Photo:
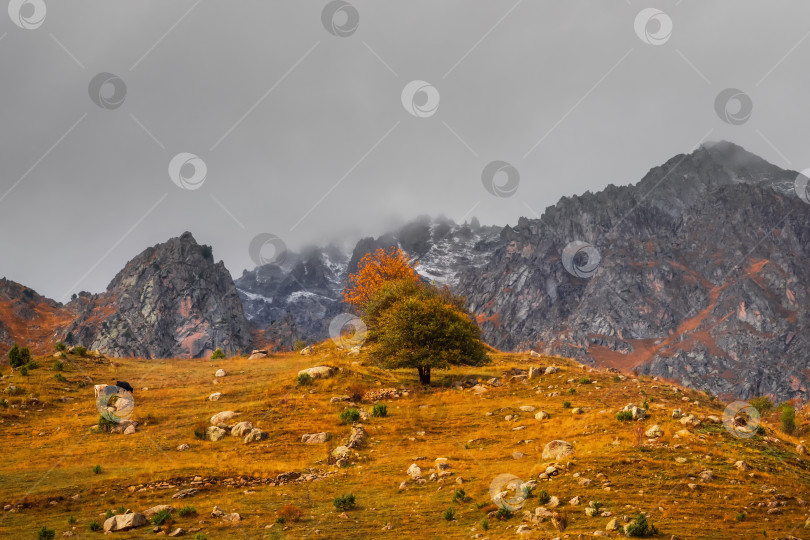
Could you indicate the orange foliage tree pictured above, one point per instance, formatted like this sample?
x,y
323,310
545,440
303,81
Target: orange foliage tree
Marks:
x,y
375,270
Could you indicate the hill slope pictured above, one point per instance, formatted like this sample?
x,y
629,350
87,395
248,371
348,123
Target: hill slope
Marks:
x,y
47,474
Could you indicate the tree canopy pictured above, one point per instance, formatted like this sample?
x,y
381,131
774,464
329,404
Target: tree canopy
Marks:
x,y
375,270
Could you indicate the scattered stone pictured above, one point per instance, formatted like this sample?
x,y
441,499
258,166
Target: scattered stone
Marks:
x,y
478,389
315,438
742,465
220,373
156,509
319,372
255,435
306,351
185,493
241,429
676,413
654,432
177,532
183,447
801,450
706,475
359,436
258,354
124,522
528,408
129,430
577,410
557,449
341,452
612,525
215,396
575,501
542,415
550,370
414,471
217,512
214,433
233,517
221,419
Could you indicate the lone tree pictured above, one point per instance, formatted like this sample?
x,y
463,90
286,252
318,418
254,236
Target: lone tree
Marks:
x,y
422,327
375,270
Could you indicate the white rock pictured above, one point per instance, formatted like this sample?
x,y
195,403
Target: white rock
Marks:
x,y
222,418
220,373
215,396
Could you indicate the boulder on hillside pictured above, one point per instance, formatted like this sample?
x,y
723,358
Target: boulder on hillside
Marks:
x,y
124,522
306,351
358,437
654,432
220,373
558,449
214,433
241,429
319,372
258,354
215,396
156,509
222,418
315,438
255,435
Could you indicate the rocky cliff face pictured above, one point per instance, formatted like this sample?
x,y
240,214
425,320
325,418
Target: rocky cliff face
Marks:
x,y
172,300
28,318
702,277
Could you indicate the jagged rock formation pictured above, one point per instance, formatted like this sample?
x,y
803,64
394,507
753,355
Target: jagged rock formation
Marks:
x,y
703,277
172,300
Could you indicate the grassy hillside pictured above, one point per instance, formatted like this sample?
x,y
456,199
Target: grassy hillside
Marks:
x,y
49,453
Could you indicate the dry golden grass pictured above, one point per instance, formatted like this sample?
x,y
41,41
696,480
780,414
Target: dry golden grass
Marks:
x,y
49,454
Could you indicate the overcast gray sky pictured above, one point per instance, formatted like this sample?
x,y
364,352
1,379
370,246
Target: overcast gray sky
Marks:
x,y
305,133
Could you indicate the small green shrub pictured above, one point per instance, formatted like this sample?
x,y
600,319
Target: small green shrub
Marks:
x,y
218,354
94,526
449,514
344,502
4,403
105,424
460,496
79,350
646,404
380,410
121,510
304,379
60,378
162,517
60,346
24,371
585,380
72,520
97,469
566,404
58,366
543,497
46,534
761,430
201,536
281,520
740,516
640,527
572,390
788,418
503,513
350,416
616,378
485,524
624,416
109,514
186,511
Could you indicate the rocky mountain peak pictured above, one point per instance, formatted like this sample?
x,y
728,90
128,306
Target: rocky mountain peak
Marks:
x,y
170,300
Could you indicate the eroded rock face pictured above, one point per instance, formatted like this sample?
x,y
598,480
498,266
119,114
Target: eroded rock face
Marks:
x,y
172,300
714,233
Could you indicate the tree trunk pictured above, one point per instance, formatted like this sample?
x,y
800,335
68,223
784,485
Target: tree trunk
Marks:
x,y
424,375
